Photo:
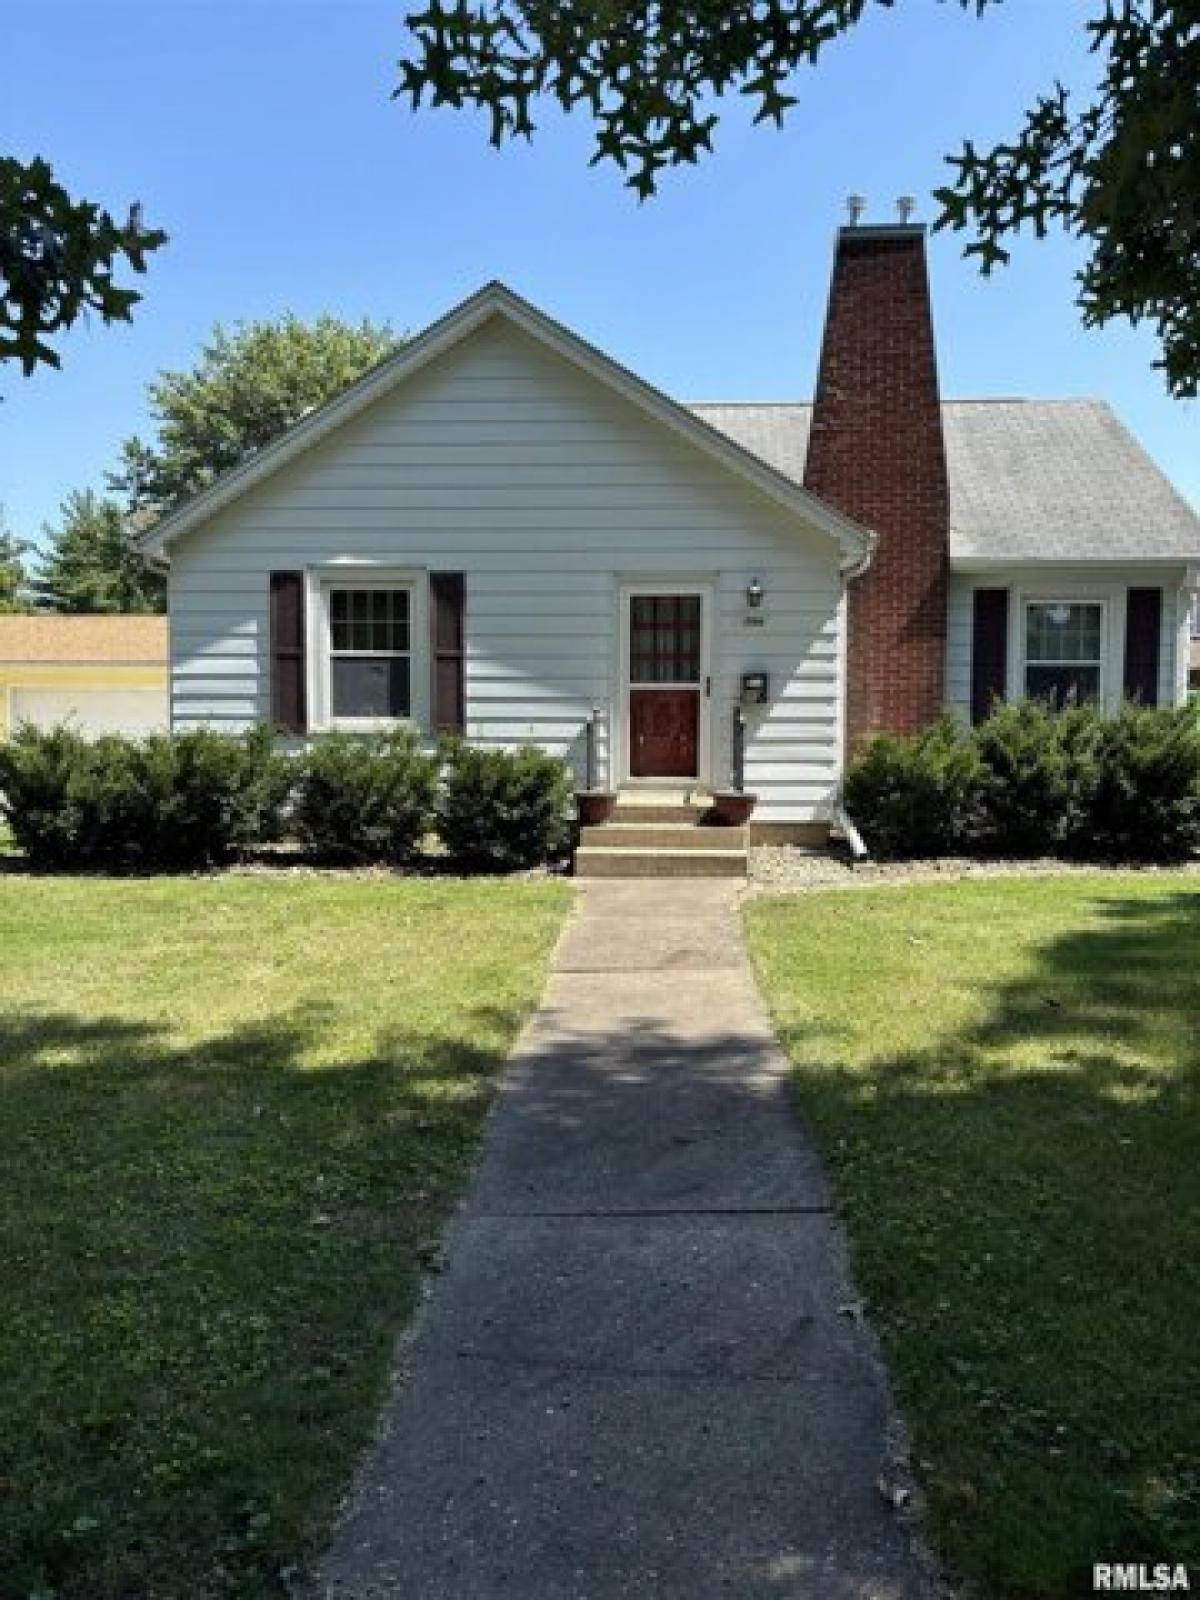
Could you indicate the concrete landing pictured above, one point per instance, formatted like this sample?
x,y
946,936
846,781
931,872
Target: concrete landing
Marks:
x,y
633,1378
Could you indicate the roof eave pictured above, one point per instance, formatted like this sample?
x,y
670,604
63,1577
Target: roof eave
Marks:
x,y
1004,563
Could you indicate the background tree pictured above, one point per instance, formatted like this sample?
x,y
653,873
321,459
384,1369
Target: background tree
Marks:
x,y
58,260
248,386
13,574
1118,167
90,565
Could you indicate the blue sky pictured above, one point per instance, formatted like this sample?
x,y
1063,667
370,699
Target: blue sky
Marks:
x,y
262,136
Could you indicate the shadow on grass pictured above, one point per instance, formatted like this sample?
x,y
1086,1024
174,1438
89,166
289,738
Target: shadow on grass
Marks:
x,y
1024,1201
206,1251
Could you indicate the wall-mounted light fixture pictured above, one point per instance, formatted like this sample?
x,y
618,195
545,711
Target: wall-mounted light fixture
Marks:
x,y
754,594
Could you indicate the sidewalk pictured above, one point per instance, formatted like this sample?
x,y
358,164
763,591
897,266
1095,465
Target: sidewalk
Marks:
x,y
633,1378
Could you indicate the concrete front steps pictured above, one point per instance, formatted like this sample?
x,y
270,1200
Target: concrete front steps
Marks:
x,y
661,838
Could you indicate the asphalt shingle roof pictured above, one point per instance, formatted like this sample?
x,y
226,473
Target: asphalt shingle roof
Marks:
x,y
1030,480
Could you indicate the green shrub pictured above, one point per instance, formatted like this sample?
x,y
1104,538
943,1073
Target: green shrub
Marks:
x,y
365,798
917,796
1143,796
500,811
1027,781
45,780
212,796
171,802
1030,781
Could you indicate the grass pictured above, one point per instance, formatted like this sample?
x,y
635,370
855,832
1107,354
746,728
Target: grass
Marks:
x,y
1005,1080
234,1111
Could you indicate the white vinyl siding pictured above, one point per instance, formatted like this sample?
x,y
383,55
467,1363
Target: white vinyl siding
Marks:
x,y
549,492
1074,583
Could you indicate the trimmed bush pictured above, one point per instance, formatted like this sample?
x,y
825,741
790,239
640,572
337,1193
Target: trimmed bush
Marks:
x,y
501,811
917,796
1026,794
168,803
1143,799
1031,782
365,798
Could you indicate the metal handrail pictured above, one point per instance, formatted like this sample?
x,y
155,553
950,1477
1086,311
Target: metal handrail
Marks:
x,y
597,720
738,766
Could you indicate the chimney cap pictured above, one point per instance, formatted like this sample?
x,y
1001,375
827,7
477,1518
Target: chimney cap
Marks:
x,y
906,204
866,231
856,205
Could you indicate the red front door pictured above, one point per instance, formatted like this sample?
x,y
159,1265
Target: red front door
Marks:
x,y
664,726
664,685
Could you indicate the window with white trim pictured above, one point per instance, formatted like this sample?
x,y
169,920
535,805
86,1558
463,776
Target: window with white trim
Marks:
x,y
1064,651
370,653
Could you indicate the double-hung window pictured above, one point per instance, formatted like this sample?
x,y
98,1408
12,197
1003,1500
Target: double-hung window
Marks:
x,y
370,653
1064,651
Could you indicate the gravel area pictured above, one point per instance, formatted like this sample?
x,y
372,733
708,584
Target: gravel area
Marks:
x,y
789,870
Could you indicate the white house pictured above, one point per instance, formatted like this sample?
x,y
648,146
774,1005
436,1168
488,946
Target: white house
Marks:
x,y
502,530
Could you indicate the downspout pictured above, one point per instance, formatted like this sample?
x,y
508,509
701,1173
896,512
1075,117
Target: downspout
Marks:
x,y
840,817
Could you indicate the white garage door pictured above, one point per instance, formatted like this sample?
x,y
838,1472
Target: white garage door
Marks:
x,y
93,711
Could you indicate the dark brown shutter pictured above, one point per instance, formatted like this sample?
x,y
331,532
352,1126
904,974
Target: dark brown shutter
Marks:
x,y
1143,630
448,642
989,651
289,699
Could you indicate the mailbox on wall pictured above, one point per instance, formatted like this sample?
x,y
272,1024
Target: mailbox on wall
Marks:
x,y
755,686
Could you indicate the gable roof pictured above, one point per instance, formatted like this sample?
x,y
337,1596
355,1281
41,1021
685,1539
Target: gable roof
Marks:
x,y
1030,480
496,300
119,640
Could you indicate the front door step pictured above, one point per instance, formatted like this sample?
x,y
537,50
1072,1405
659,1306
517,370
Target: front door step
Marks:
x,y
604,861
685,807
670,835
661,835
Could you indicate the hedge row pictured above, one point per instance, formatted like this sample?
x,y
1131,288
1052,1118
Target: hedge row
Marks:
x,y
1033,782
187,801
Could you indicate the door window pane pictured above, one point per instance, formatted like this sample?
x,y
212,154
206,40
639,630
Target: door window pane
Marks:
x,y
664,638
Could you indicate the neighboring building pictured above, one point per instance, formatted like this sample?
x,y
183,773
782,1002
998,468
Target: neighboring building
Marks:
x,y
502,531
104,674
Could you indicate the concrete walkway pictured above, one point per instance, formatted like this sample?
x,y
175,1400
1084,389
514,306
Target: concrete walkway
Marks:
x,y
633,1378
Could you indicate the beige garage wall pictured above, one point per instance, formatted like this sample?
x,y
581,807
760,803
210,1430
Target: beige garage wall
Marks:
x,y
101,699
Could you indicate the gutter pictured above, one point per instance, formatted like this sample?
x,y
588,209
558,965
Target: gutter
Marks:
x,y
839,816
855,569
844,823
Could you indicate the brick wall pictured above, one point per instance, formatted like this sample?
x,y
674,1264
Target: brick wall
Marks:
x,y
876,453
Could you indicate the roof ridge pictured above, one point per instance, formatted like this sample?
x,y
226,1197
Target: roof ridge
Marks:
x,y
947,400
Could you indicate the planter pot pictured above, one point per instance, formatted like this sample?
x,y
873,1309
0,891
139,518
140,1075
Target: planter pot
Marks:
x,y
596,806
732,809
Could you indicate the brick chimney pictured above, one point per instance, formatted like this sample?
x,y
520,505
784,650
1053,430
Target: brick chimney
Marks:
x,y
876,453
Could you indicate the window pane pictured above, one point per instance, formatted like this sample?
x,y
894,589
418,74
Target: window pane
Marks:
x,y
370,686
1058,632
1063,685
369,619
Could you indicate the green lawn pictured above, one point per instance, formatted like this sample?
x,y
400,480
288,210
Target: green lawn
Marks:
x,y
1005,1079
234,1112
